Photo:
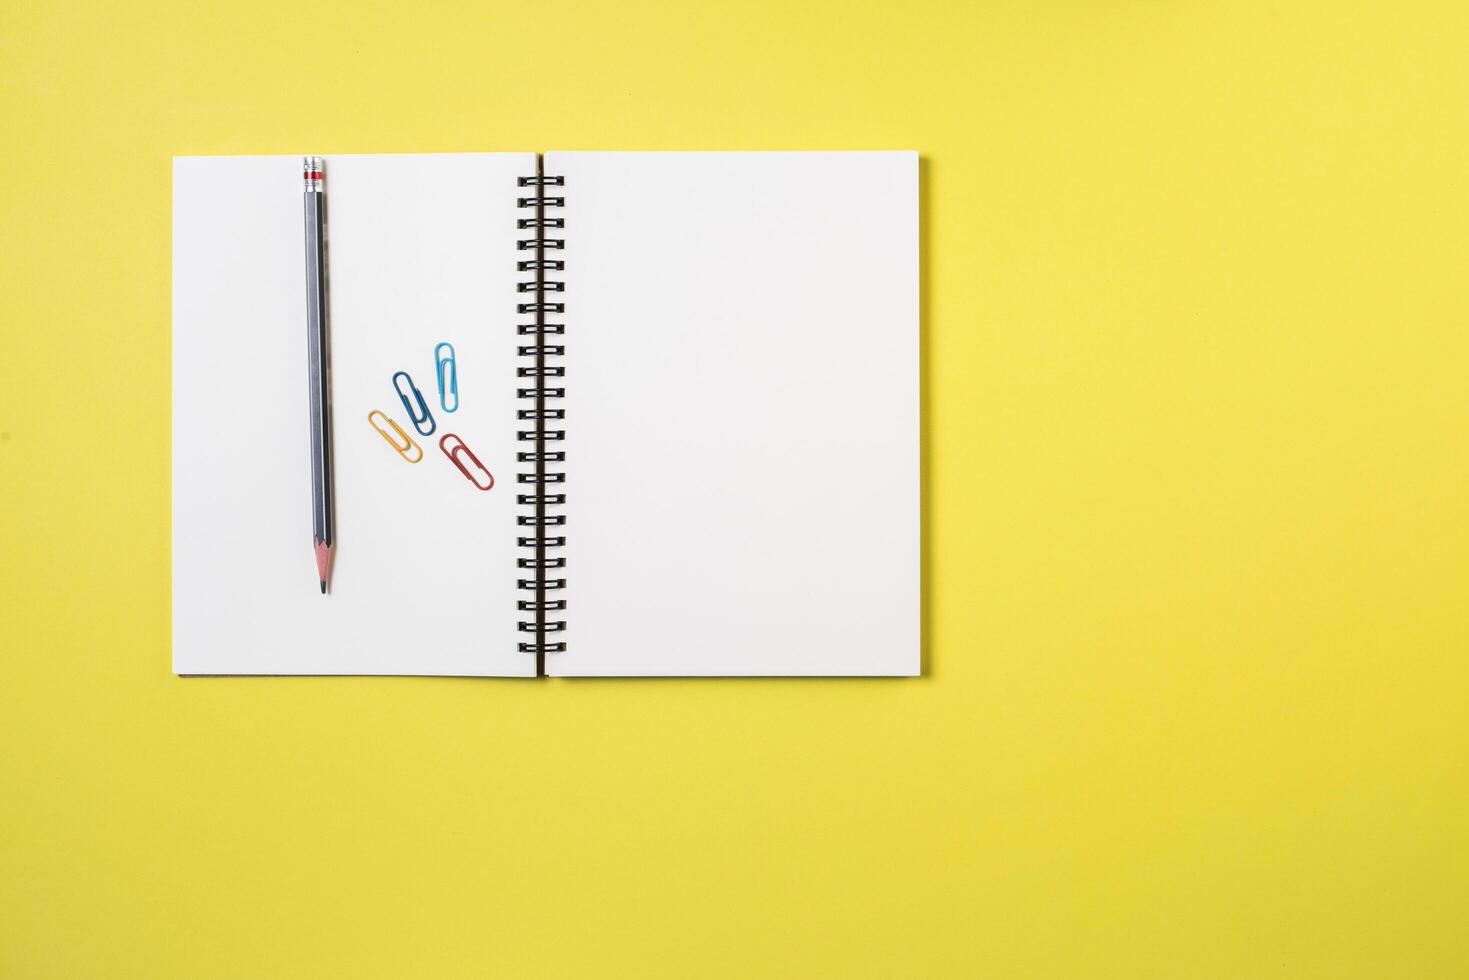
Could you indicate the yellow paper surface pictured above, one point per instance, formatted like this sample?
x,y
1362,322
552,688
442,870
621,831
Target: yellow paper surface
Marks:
x,y
1195,499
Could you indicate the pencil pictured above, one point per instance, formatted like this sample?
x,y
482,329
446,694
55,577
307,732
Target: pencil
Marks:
x,y
319,374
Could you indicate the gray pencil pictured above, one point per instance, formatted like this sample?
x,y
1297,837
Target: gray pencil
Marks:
x,y
320,368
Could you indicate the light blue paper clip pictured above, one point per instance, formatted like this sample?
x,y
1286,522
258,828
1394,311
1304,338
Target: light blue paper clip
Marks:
x,y
451,387
419,417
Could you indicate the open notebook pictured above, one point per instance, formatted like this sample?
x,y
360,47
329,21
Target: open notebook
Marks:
x,y
691,377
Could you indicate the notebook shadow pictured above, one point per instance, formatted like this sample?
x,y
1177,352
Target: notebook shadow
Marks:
x,y
926,666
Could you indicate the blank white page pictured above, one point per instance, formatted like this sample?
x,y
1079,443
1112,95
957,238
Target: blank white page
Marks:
x,y
421,250
742,413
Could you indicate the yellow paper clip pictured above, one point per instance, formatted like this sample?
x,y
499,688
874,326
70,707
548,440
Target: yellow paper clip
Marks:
x,y
403,448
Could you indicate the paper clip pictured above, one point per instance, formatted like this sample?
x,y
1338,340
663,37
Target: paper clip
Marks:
x,y
421,417
462,450
451,386
401,448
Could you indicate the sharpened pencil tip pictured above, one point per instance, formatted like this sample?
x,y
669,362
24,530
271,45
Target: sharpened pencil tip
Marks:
x,y
323,562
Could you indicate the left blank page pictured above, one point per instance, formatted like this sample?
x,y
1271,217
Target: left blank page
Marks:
x,y
421,249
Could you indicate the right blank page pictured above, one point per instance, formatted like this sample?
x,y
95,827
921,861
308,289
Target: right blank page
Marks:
x,y
742,413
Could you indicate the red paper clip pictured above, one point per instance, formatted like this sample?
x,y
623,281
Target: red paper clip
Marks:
x,y
455,456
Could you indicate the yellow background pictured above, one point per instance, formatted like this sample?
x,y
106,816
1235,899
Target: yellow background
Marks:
x,y
1195,519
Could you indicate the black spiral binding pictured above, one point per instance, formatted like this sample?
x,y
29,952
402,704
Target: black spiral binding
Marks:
x,y
536,369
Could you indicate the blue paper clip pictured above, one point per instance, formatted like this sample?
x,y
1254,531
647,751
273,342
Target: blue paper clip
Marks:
x,y
421,417
452,385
